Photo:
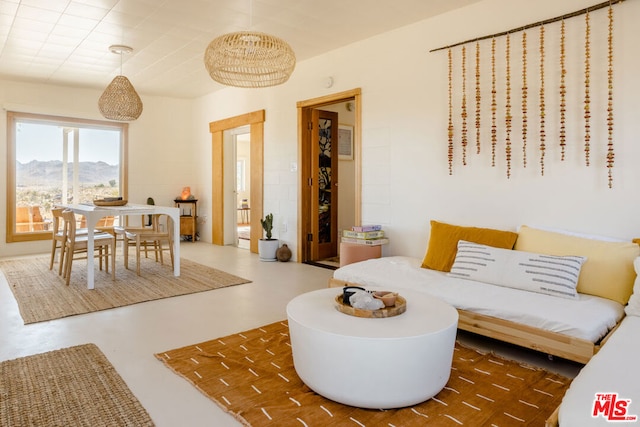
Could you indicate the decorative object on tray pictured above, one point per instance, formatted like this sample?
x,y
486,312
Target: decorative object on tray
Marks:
x,y
348,291
388,298
110,201
364,300
357,301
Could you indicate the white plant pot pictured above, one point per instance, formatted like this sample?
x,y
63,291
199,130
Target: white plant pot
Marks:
x,y
267,249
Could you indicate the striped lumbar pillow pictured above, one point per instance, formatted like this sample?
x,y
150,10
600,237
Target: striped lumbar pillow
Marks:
x,y
545,274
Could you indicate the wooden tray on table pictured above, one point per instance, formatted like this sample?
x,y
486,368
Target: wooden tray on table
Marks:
x,y
399,308
102,202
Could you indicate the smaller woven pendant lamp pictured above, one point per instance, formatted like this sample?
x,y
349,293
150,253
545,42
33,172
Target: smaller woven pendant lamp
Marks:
x,y
120,101
249,59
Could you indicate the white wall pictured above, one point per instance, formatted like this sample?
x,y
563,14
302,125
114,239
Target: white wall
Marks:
x,y
405,174
404,92
161,155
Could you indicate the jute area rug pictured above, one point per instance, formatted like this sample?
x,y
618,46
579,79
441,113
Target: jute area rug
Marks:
x,y
42,294
251,376
75,386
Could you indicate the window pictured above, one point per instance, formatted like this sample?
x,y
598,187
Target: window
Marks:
x,y
59,160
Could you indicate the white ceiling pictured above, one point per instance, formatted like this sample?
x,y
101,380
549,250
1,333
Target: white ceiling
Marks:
x,y
67,41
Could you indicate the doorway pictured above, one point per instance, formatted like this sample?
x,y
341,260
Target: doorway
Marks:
x,y
224,209
310,207
237,187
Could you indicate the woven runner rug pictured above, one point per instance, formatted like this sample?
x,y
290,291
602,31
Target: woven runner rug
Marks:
x,y
75,386
251,376
42,294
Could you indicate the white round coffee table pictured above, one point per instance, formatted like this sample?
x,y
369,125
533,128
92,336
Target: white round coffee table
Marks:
x,y
377,363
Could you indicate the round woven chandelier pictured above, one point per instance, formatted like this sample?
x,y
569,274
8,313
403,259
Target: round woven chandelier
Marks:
x,y
249,59
120,101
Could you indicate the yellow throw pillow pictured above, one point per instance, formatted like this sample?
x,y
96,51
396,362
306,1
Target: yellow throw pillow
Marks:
x,y
608,271
443,242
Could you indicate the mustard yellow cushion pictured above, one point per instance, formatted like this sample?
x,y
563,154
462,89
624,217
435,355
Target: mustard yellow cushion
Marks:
x,y
443,242
608,271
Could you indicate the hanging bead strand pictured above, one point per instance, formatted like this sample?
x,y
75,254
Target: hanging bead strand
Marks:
x,y
450,128
542,106
525,93
587,96
463,113
610,151
507,107
563,94
494,130
478,98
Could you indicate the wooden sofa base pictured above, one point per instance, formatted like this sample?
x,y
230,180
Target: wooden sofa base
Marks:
x,y
552,343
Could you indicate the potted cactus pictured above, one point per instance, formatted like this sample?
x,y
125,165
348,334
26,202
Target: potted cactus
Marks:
x,y
267,247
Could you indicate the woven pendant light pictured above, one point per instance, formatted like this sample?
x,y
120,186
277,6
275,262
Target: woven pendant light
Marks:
x,y
249,59
120,101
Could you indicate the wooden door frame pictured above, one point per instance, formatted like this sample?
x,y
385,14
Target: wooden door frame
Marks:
x,y
255,120
304,114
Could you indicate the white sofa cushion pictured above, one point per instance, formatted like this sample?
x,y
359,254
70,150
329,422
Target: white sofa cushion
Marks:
x,y
614,369
588,317
545,274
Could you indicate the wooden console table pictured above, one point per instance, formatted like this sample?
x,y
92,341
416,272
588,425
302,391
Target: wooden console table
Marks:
x,y
188,217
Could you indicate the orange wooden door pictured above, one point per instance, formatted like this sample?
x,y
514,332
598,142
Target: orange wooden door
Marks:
x,y
324,185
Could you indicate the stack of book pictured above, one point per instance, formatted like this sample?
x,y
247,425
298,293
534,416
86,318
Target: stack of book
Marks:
x,y
371,235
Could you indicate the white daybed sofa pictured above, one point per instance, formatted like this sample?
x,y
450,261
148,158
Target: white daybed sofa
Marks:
x,y
568,328
531,320
614,370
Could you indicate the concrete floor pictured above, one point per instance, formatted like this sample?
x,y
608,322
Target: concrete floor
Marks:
x,y
130,336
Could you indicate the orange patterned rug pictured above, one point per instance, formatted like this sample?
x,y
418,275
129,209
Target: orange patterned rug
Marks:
x,y
251,376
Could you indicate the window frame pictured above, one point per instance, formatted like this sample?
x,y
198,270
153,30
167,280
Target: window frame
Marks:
x,y
13,117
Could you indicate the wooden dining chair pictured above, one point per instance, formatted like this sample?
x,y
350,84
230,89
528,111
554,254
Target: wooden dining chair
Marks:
x,y
75,244
144,226
104,224
144,238
58,238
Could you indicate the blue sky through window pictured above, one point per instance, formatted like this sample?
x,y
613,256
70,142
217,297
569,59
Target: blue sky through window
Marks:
x,y
43,142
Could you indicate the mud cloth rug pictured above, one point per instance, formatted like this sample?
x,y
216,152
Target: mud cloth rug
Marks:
x,y
75,386
42,294
251,376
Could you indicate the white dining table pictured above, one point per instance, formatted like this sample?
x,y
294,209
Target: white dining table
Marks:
x,y
93,213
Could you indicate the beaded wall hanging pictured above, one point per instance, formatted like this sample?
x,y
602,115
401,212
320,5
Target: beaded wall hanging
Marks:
x,y
555,93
